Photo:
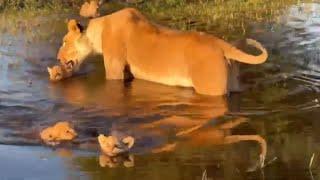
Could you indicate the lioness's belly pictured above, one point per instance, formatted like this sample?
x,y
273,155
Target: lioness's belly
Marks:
x,y
172,80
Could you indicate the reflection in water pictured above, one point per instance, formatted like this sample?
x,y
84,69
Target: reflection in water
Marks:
x,y
125,160
193,123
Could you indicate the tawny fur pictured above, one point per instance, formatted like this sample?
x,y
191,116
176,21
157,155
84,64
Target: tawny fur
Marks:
x,y
90,9
156,53
61,131
58,72
113,146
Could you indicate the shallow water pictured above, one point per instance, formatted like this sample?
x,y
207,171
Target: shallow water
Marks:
x,y
281,104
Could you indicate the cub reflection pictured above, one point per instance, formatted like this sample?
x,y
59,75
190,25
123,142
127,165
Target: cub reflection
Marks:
x,y
127,160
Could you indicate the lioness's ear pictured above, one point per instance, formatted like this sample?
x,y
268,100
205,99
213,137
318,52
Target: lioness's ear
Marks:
x,y
74,26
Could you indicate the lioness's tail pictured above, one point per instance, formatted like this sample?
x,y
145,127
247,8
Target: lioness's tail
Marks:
x,y
232,52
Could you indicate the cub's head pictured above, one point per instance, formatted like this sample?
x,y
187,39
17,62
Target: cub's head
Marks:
x,y
58,72
55,73
112,146
90,9
107,144
75,47
61,131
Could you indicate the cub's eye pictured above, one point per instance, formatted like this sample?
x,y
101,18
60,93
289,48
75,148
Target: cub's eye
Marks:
x,y
67,131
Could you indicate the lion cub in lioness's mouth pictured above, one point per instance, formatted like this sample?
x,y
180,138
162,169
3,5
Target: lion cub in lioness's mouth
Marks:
x,y
58,72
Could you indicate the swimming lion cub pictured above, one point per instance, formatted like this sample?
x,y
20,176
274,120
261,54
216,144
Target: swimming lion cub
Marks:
x,y
156,53
61,131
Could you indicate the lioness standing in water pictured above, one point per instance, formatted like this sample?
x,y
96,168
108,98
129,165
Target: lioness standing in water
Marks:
x,y
155,53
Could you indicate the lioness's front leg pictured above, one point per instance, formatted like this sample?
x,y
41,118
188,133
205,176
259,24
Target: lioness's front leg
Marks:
x,y
114,54
114,68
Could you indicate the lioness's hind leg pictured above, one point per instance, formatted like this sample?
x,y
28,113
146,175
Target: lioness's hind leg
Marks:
x,y
114,68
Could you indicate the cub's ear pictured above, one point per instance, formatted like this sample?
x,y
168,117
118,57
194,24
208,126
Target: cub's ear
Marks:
x,y
129,141
49,70
74,26
101,139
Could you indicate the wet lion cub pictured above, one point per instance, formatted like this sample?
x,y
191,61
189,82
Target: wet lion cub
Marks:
x,y
156,53
58,72
90,9
61,131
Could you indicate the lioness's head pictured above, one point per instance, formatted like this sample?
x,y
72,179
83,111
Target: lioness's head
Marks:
x,y
61,131
75,47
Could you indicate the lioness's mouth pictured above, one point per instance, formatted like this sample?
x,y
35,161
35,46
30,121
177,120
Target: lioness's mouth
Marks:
x,y
71,64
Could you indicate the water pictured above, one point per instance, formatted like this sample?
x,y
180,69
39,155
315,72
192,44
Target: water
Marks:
x,y
281,104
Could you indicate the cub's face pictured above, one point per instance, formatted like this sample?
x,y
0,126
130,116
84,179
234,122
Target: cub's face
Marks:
x,y
61,131
75,47
58,72
55,73
108,144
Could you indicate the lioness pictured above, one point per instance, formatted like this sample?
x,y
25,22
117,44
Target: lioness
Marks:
x,y
155,53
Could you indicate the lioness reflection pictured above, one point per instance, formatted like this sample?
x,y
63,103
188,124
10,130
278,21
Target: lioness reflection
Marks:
x,y
190,116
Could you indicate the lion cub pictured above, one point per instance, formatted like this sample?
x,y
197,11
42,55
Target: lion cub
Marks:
x,y
112,146
61,131
90,9
58,72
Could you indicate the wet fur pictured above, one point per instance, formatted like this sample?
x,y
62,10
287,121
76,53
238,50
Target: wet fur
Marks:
x,y
90,9
58,72
61,131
